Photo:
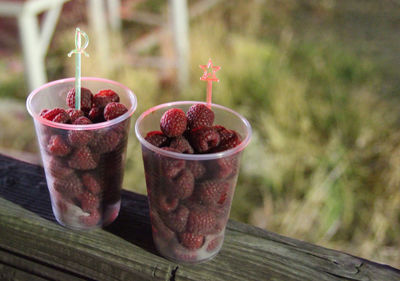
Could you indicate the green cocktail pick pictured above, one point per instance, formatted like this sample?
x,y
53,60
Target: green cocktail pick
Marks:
x,y
79,49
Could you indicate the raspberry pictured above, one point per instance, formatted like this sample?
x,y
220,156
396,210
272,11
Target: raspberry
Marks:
x,y
91,183
171,166
224,133
191,241
83,159
113,110
74,114
92,219
182,254
105,142
214,244
203,139
103,97
221,210
229,140
199,115
182,186
112,173
51,114
86,99
224,167
43,112
62,117
159,228
80,137
200,220
57,146
96,115
173,122
212,192
70,186
156,138
58,169
181,144
167,204
88,201
198,170
177,220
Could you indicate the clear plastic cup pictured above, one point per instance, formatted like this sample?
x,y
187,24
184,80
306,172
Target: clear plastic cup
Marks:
x,y
84,177
190,195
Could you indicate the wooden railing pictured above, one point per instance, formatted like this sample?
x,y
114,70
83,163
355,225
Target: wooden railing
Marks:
x,y
34,247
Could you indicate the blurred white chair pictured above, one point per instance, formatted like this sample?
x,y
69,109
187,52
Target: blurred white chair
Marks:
x,y
35,39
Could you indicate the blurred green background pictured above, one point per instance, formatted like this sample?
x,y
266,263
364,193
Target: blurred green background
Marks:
x,y
318,81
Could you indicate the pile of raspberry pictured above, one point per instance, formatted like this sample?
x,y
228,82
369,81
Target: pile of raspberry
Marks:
x,y
85,165
190,200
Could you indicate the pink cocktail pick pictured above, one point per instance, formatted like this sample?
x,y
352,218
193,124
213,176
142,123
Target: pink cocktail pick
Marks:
x,y
209,76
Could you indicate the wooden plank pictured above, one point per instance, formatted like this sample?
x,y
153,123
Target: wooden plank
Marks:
x,y
30,236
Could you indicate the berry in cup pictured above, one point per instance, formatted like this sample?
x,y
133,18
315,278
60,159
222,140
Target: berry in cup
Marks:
x,y
85,167
190,200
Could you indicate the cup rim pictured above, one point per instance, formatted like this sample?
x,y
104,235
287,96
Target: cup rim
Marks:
x,y
208,156
95,126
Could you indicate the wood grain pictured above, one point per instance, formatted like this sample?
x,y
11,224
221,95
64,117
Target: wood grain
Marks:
x,y
34,247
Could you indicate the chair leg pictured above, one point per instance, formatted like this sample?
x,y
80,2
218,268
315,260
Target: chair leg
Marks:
x,y
33,57
180,26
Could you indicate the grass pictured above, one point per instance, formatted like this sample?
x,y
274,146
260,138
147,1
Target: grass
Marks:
x,y
324,161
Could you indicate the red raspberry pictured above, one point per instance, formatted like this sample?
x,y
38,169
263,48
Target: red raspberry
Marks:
x,y
86,99
43,112
96,115
177,220
103,97
58,168
224,167
221,210
57,146
171,166
181,144
51,114
70,186
224,133
191,241
229,139
182,186
80,137
92,184
88,201
173,122
74,114
199,115
83,159
92,219
159,228
201,220
214,244
105,141
156,138
167,204
62,117
204,139
198,170
113,110
212,192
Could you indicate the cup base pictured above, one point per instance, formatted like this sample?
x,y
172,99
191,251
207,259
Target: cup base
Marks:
x,y
178,254
75,217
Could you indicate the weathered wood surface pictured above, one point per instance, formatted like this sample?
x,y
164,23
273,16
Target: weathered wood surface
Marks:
x,y
34,247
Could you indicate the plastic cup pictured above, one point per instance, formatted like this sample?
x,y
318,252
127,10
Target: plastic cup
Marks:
x,y
84,177
190,195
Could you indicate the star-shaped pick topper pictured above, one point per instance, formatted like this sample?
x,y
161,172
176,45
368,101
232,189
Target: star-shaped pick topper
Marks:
x,y
209,72
209,76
